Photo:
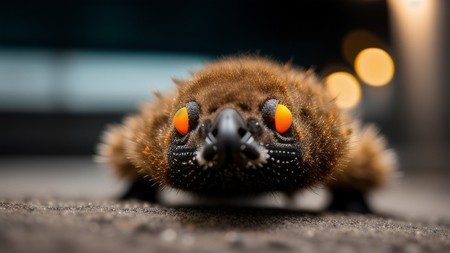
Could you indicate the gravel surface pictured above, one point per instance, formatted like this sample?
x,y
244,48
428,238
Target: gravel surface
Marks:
x,y
61,225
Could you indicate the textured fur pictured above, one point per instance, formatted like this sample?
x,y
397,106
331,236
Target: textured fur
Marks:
x,y
370,163
335,149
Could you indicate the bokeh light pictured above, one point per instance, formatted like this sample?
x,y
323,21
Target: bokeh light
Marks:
x,y
345,88
374,66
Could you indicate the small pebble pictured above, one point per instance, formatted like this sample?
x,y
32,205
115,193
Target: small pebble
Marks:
x,y
309,233
168,235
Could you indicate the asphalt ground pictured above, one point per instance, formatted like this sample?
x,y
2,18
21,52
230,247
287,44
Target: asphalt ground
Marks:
x,y
44,208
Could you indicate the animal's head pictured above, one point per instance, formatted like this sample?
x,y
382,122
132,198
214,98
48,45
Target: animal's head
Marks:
x,y
251,125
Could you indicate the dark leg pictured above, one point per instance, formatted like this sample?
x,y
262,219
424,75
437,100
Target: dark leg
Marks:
x,y
347,200
142,189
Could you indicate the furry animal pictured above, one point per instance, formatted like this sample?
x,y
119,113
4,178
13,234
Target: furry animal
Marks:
x,y
248,125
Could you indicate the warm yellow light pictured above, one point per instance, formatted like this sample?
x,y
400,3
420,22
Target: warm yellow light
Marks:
x,y
374,66
345,88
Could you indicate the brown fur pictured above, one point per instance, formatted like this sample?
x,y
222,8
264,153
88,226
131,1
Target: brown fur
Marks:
x,y
244,83
370,164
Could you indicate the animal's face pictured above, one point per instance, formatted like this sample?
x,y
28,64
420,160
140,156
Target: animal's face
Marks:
x,y
245,125
236,137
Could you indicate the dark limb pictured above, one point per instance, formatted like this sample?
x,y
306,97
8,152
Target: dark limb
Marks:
x,y
348,200
142,189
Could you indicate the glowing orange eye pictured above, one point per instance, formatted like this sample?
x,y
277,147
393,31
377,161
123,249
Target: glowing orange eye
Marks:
x,y
181,121
283,118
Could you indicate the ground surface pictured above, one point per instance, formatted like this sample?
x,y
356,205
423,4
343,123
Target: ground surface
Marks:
x,y
44,208
81,226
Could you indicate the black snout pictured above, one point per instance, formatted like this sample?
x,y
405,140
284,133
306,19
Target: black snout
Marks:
x,y
229,139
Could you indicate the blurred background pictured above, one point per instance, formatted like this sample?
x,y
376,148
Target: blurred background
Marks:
x,y
69,68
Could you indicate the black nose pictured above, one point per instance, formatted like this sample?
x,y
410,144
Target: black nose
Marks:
x,y
229,139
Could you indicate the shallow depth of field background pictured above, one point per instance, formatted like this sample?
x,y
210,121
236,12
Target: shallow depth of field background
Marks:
x,y
69,68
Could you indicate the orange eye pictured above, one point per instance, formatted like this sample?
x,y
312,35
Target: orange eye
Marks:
x,y
283,119
181,121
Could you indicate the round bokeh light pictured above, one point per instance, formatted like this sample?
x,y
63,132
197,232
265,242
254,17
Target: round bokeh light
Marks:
x,y
345,88
374,66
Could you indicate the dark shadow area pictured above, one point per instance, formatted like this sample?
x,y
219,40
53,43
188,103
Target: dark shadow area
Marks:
x,y
227,217
307,31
